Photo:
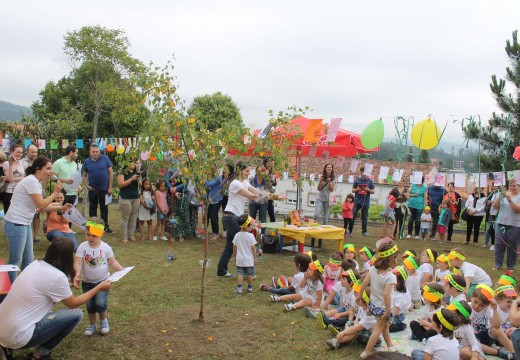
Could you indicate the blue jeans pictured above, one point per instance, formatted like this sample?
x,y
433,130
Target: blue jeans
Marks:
x,y
20,242
515,339
417,354
70,235
261,209
415,216
318,206
281,291
98,303
230,223
54,327
364,215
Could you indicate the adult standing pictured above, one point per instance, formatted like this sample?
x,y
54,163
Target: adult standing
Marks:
x,y
128,183
260,208
214,194
508,226
401,209
3,180
98,177
455,206
31,155
417,198
476,208
65,168
14,173
435,195
26,198
27,319
271,182
362,188
493,212
239,191
326,185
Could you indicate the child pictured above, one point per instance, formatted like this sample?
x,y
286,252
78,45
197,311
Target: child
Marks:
x,y
454,285
401,300
146,207
443,264
428,257
311,289
337,291
381,281
484,315
422,329
301,263
338,317
365,255
244,250
413,282
93,258
473,274
469,347
505,295
426,221
388,213
444,219
349,252
162,210
347,215
332,272
441,346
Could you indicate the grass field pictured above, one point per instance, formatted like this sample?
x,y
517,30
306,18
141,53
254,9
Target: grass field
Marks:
x,y
153,310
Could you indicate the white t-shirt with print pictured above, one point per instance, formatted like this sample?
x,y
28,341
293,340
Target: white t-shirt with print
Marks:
x,y
243,241
413,285
477,275
296,280
504,317
426,221
236,202
460,297
94,266
311,290
440,275
481,320
442,348
378,283
22,208
466,337
18,170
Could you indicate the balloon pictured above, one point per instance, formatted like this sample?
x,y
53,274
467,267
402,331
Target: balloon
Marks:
x,y
516,154
373,134
426,134
144,155
110,148
120,149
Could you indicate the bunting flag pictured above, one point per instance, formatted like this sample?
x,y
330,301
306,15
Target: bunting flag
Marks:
x,y
332,133
54,144
313,131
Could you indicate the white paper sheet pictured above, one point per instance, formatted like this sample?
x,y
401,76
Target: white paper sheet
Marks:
x,y
499,179
398,175
383,172
417,177
353,165
368,169
311,177
76,181
108,199
119,274
440,179
75,217
460,180
8,268
351,179
340,178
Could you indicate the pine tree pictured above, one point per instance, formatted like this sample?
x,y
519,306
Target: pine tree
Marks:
x,y
424,157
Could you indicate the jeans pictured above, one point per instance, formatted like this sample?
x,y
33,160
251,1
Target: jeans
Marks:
x,y
53,328
213,216
506,239
490,234
348,225
261,209
473,225
417,354
364,215
434,211
98,303
230,223
58,233
129,209
399,221
415,216
270,210
515,339
281,291
318,206
95,198
20,243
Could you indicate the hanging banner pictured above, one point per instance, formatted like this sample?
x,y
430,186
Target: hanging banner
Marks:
x,y
383,172
460,180
332,133
368,169
313,131
398,174
353,165
340,161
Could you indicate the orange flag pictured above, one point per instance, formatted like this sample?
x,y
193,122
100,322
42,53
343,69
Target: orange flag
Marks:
x,y
313,131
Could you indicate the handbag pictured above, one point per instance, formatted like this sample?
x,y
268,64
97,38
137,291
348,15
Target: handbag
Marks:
x,y
464,216
332,199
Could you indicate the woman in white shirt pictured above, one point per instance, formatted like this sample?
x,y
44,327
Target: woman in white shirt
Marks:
x,y
26,198
476,208
14,172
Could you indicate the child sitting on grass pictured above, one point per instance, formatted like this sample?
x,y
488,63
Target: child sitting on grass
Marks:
x,y
332,272
413,282
349,252
428,257
244,249
473,274
454,285
505,296
366,255
469,347
401,300
301,263
334,295
443,269
422,329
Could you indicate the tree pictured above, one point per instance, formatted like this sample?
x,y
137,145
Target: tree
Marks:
x,y
424,157
212,111
502,134
409,155
98,95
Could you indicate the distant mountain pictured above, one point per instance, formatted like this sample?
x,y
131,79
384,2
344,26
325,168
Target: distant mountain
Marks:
x,y
12,112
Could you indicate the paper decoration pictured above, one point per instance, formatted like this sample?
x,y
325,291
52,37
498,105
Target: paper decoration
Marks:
x,y
510,175
41,144
304,176
460,180
450,178
516,175
295,176
389,179
368,169
6,144
27,143
340,178
312,151
325,154
54,144
64,143
285,175
499,179
332,133
353,165
313,131
277,175
481,180
340,161
79,143
398,174
440,179
431,176
383,172
311,177
417,177
351,179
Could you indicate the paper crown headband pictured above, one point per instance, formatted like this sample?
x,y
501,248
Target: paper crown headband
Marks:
x,y
430,255
95,228
400,270
410,263
443,320
349,273
443,258
453,283
315,265
507,290
407,253
387,253
506,280
349,247
334,264
366,299
368,252
455,255
431,294
487,291
456,305
249,221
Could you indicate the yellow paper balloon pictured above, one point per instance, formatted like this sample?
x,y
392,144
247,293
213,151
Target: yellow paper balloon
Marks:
x,y
426,134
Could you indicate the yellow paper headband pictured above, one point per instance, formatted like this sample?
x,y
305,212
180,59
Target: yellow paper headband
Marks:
x,y
352,276
389,252
443,321
431,294
430,255
455,255
316,265
453,283
368,252
407,253
410,263
508,290
366,299
456,305
401,271
95,228
443,258
249,220
487,291
506,280
349,247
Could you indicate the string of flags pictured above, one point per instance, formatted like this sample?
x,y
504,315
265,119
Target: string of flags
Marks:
x,y
119,145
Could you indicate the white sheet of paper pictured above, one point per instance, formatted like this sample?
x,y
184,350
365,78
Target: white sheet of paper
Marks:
x,y
75,217
499,179
368,169
383,172
449,178
340,161
285,175
311,177
108,199
439,179
417,177
340,178
8,268
351,179
119,274
460,180
483,179
516,175
76,180
353,165
398,175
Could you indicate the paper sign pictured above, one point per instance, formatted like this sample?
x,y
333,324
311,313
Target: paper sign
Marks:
x,y
311,177
483,180
340,178
54,144
439,179
325,154
73,215
353,165
368,169
417,177
516,175
64,143
6,144
108,199
119,274
398,174
510,175
76,181
450,178
389,179
460,180
351,179
499,179
27,143
285,175
79,143
41,144
340,161
8,268
383,172
332,133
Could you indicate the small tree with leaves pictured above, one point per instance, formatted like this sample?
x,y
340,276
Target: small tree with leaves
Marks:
x,y
424,157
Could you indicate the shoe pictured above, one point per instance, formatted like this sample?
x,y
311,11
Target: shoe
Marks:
x,y
105,328
496,268
275,298
91,329
309,312
154,238
380,349
364,355
416,238
504,354
238,291
275,283
475,244
249,290
319,321
181,239
492,248
108,231
333,344
408,236
289,307
393,349
124,241
36,240
365,233
227,274
510,270
132,238
333,330
254,277
264,287
164,238
485,245
441,241
6,353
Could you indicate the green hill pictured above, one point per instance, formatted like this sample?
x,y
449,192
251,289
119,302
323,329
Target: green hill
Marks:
x,y
12,112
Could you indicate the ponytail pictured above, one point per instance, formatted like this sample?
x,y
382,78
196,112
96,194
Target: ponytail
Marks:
x,y
37,164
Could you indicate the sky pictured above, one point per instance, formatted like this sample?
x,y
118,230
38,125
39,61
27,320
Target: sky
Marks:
x,y
355,60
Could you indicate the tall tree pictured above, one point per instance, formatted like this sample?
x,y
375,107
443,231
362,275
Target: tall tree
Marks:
x,y
409,155
212,111
424,157
502,134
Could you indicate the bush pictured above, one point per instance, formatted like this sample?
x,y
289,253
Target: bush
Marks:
x,y
374,212
335,209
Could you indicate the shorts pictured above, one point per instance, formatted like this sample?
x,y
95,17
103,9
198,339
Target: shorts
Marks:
x,y
484,338
378,312
390,217
363,335
161,216
245,271
424,231
441,229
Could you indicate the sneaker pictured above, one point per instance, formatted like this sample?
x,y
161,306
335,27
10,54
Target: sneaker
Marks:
x,y
365,233
164,238
485,245
504,354
275,298
393,349
333,330
309,312
492,248
105,328
364,355
6,353
238,291
320,322
289,307
416,237
408,236
264,287
249,290
441,241
380,349
154,238
108,230
333,344
227,274
91,329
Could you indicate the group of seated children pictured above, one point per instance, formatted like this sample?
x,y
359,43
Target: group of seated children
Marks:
x,y
457,311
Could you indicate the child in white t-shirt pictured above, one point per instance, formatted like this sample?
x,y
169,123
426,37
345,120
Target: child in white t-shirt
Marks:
x,y
244,250
413,282
401,300
93,257
443,269
426,222
428,257
505,296
301,263
473,274
454,285
469,347
367,256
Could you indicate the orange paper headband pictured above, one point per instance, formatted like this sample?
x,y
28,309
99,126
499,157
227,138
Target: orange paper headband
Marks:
x,y
508,291
316,266
95,228
443,258
431,294
506,280
357,286
410,263
487,291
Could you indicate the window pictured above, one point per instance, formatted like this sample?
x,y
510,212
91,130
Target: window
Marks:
x,y
292,197
311,199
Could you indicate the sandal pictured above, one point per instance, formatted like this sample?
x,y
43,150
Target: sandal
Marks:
x,y
124,241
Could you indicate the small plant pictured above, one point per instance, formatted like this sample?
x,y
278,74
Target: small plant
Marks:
x,y
335,210
374,212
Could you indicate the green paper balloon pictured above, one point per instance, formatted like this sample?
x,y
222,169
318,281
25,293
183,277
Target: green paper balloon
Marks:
x,y
373,134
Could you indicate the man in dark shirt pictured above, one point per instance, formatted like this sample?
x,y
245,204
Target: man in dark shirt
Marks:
x,y
362,189
435,196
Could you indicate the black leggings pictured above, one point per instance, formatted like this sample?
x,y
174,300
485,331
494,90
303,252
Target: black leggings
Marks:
x,y
420,332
